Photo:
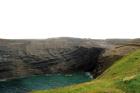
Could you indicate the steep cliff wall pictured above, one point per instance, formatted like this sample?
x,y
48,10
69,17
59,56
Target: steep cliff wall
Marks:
x,y
19,58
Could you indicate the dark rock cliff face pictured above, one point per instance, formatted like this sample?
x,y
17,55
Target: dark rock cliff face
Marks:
x,y
20,58
67,60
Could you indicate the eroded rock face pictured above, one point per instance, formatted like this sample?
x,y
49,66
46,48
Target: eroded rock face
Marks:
x,y
20,58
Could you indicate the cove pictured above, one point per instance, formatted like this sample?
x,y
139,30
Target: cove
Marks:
x,y
49,81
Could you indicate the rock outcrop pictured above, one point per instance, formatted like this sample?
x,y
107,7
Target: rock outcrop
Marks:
x,y
20,58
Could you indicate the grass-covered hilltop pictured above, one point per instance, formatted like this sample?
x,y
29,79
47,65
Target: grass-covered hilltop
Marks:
x,y
122,77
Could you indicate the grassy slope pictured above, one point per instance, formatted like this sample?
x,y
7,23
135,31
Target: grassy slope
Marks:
x,y
122,77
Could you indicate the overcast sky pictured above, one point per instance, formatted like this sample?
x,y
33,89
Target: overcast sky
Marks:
x,y
28,19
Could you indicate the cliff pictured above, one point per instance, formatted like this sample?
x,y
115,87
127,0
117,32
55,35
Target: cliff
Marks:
x,y
20,58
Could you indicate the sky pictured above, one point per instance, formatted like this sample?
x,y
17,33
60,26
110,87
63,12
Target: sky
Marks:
x,y
97,19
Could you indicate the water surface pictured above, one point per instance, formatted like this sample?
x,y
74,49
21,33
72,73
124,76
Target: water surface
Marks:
x,y
24,85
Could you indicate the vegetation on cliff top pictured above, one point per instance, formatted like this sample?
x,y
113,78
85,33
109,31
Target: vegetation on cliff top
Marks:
x,y
122,77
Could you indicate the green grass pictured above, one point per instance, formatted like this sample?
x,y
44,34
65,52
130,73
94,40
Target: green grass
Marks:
x,y
122,77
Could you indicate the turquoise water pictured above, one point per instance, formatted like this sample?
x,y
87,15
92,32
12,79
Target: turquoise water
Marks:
x,y
27,84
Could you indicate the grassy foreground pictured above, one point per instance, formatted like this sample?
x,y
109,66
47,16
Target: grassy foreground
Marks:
x,y
122,77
